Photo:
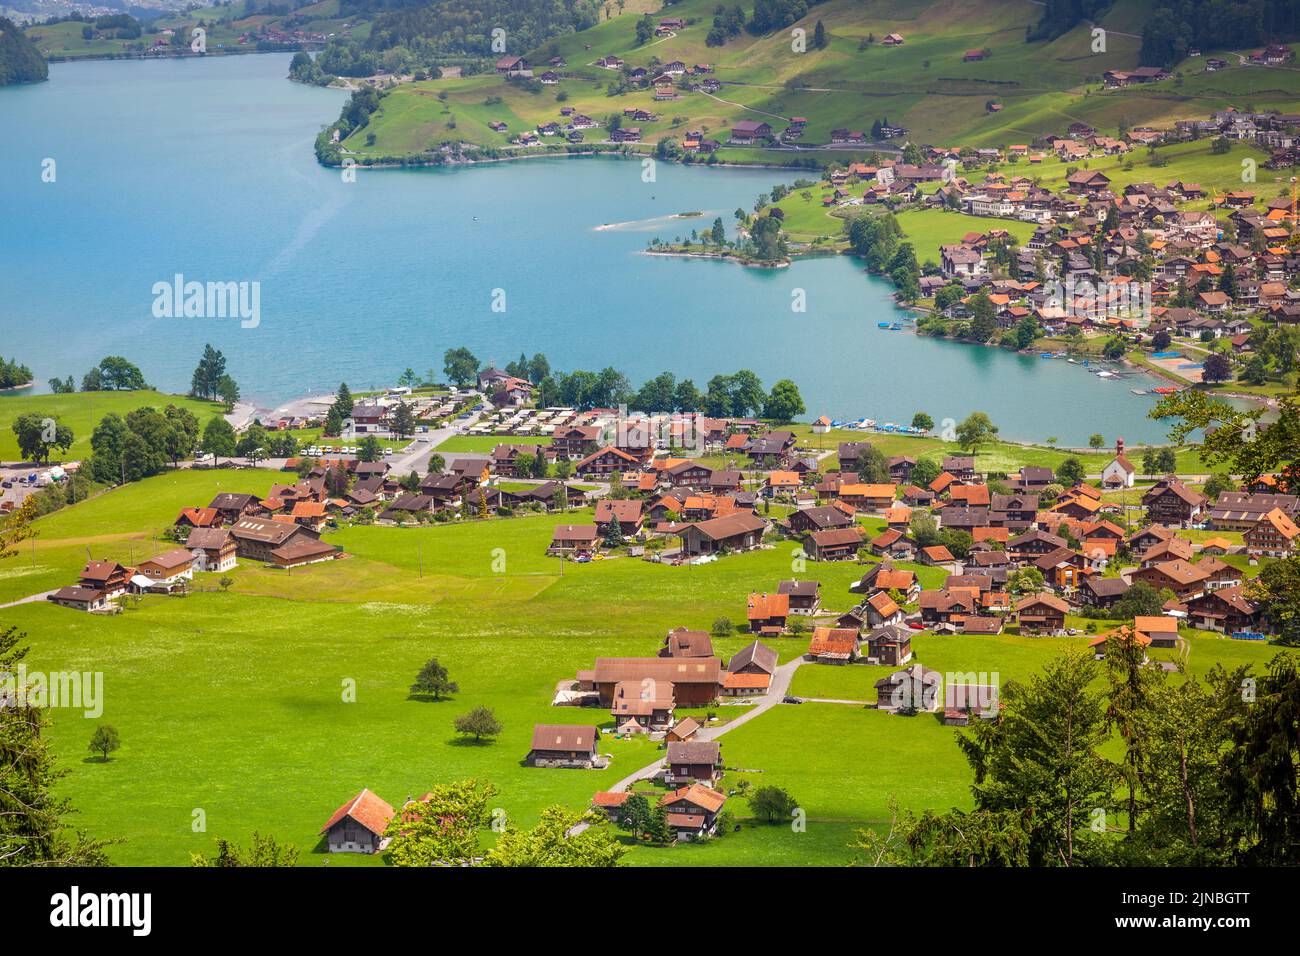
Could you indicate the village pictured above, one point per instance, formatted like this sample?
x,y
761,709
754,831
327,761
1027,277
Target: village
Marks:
x,y
939,547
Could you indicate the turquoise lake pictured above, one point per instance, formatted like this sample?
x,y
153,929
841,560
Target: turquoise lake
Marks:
x,y
205,168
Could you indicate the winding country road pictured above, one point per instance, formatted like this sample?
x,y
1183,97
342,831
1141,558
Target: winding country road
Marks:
x,y
780,687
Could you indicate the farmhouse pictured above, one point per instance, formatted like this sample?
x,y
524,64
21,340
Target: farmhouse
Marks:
x,y
948,606
605,461
359,825
213,549
839,544
565,745
734,532
750,671
696,761
167,569
1186,580
767,613
692,812
1098,591
1042,614
819,518
108,577
574,539
869,497
1172,503
696,681
833,645
80,598
911,689
1275,535
885,577
804,596
890,645
233,506
893,544
624,513
1227,610
642,707
199,518
681,642
282,543
748,132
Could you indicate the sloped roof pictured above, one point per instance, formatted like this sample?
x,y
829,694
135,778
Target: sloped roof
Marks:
x,y
366,809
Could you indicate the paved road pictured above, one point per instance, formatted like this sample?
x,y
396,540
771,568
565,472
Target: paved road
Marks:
x,y
30,599
780,687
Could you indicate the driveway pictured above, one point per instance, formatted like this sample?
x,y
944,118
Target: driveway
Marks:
x,y
30,599
780,687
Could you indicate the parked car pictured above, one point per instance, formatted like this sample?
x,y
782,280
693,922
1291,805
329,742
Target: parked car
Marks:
x,y
388,451
791,699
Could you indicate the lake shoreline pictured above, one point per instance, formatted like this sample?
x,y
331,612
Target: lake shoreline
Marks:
x,y
483,241
617,153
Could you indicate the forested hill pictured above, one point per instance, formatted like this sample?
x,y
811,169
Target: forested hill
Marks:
x,y
465,26
1061,16
20,61
1178,26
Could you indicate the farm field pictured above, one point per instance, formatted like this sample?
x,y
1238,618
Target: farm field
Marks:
x,y
237,703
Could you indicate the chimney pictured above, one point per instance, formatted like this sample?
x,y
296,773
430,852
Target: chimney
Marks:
x,y
1119,447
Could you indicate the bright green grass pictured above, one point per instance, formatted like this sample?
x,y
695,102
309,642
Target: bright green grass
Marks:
x,y
124,524
81,411
1006,457
485,443
928,229
234,703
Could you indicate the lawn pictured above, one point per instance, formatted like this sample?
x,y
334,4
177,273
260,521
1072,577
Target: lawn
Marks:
x,y
81,411
485,443
997,456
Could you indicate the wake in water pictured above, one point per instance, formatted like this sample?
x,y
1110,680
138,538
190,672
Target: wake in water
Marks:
x,y
657,222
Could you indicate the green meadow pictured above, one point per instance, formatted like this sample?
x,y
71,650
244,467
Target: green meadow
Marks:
x,y
81,411
264,707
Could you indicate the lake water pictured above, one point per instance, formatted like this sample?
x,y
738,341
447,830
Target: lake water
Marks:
x,y
205,168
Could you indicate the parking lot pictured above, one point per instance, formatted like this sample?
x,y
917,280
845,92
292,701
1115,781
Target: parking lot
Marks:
x,y
13,489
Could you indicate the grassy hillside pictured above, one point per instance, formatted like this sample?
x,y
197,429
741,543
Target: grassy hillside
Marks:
x,y
224,25
83,410
924,84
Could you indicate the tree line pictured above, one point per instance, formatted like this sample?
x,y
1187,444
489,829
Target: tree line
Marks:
x,y
738,395
13,373
1206,775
